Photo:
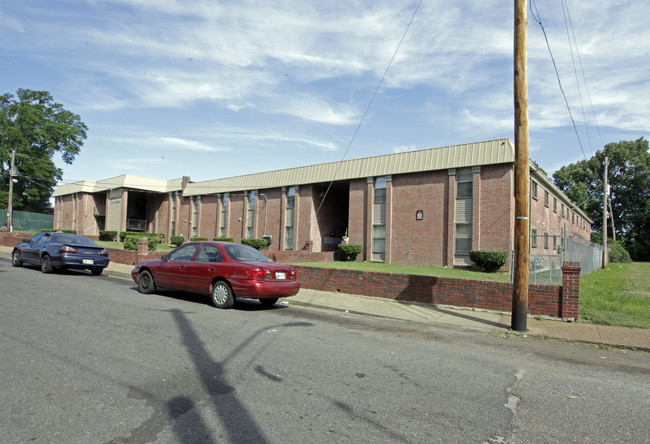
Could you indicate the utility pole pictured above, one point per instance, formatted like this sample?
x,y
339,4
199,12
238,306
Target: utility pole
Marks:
x,y
522,172
11,192
605,193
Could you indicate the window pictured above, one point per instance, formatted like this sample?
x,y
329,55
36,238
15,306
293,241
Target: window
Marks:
x,y
183,253
290,215
208,253
224,213
562,210
250,218
555,242
464,183
379,220
546,198
195,215
534,189
173,196
546,241
533,238
555,204
463,242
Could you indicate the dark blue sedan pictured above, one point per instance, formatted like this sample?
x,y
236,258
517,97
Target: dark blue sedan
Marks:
x,y
53,251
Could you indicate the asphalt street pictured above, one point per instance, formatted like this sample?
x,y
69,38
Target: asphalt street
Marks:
x,y
89,359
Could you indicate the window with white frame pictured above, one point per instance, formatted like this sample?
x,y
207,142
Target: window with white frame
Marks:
x,y
224,214
195,215
250,217
464,215
290,219
379,220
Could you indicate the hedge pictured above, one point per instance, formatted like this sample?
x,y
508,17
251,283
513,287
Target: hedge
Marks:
x,y
131,241
349,252
224,239
258,244
490,261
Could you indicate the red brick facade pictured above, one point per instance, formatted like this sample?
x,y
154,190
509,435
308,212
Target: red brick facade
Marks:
x,y
420,214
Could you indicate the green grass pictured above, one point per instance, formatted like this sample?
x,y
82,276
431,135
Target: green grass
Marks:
x,y
422,270
120,246
617,295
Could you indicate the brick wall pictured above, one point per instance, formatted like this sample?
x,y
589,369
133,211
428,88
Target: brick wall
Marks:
x,y
562,302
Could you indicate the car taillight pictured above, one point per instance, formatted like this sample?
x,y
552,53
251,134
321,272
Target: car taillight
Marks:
x,y
259,274
67,249
293,274
104,252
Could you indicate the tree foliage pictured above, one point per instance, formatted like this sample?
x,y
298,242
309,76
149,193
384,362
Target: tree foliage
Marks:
x,y
629,182
37,128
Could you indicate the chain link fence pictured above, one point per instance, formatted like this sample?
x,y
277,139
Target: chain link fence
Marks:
x,y
546,269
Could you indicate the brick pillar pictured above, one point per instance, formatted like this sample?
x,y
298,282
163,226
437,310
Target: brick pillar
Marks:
x,y
569,305
143,249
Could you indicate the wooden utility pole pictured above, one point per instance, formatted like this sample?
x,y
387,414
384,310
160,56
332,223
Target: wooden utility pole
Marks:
x,y
605,193
10,203
522,172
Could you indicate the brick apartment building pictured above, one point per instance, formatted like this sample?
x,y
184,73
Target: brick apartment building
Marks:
x,y
419,207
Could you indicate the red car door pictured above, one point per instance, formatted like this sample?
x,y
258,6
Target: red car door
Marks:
x,y
205,266
171,273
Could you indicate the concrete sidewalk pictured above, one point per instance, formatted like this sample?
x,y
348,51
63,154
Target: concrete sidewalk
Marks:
x,y
466,319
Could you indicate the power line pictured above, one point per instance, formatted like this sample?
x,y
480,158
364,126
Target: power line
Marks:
x,y
535,15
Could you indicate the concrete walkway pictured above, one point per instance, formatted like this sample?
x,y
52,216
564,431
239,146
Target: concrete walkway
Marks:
x,y
466,319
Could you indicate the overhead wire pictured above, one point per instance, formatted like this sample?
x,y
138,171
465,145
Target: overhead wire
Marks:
x,y
365,113
535,15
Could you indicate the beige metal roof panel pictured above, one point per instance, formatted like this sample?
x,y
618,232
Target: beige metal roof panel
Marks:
x,y
456,156
124,181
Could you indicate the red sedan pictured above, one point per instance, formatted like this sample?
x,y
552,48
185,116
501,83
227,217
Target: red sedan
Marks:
x,y
223,270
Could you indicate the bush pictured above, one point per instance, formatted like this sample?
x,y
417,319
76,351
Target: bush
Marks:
x,y
489,261
618,253
176,240
349,252
108,236
258,244
224,239
198,239
51,230
131,241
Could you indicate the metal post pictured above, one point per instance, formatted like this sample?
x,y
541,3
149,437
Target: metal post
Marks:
x,y
522,172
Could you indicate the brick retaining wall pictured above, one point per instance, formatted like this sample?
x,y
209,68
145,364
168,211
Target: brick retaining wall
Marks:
x,y
561,302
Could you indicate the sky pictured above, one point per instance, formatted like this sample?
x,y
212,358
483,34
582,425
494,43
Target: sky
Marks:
x,y
212,89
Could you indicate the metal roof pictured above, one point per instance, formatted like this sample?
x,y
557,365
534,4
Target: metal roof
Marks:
x,y
124,181
454,156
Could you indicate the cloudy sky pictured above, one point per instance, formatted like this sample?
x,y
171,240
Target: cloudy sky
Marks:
x,y
211,89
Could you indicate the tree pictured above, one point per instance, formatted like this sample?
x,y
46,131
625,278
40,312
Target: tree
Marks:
x,y
37,128
629,181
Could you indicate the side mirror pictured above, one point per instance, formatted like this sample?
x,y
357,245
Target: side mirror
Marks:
x,y
165,257
25,241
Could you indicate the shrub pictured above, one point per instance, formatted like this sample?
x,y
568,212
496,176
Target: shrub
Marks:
x,y
108,236
349,252
176,240
197,239
618,253
258,244
489,261
131,241
224,239
51,230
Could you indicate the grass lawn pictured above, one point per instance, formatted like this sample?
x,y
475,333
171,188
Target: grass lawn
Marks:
x,y
421,270
120,246
617,295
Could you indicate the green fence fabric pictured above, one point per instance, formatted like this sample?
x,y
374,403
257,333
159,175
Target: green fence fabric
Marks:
x,y
31,222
